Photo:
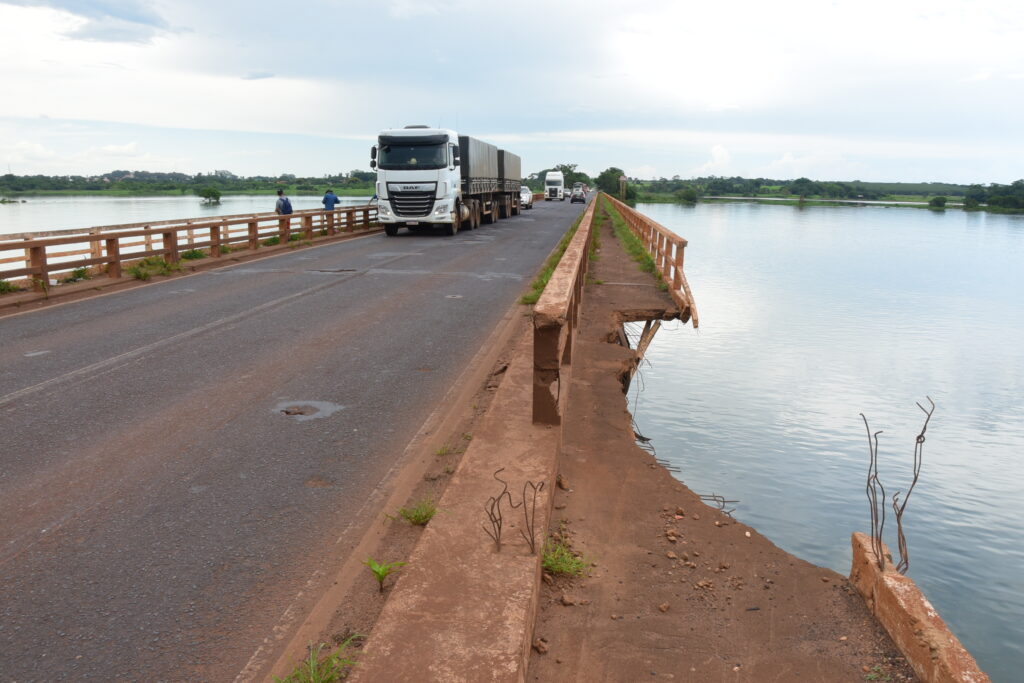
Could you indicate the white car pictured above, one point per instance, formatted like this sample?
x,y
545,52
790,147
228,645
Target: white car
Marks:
x,y
525,197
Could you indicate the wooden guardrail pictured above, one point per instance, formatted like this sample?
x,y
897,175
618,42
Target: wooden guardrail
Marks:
x,y
668,250
555,317
110,246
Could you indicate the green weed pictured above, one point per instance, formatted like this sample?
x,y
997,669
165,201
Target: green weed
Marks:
x,y
193,254
444,450
877,674
420,513
150,266
77,275
276,239
330,669
558,558
382,570
8,288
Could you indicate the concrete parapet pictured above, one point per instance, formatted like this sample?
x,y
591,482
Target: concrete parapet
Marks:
x,y
461,610
935,654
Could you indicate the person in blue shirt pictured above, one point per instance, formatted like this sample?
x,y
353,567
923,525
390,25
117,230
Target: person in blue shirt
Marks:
x,y
330,200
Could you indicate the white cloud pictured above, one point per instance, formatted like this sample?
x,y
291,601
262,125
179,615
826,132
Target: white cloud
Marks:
x,y
649,86
719,164
115,21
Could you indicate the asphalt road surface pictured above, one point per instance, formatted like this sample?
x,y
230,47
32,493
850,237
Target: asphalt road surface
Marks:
x,y
159,506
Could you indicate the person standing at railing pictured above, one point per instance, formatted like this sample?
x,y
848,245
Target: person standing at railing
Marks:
x,y
284,205
330,200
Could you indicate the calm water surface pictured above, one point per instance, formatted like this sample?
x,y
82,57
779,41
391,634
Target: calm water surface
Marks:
x,y
812,316
60,213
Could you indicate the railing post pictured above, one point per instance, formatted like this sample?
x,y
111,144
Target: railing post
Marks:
x,y
215,241
284,229
365,213
148,238
330,222
95,251
113,258
225,234
37,261
254,236
307,226
170,240
191,240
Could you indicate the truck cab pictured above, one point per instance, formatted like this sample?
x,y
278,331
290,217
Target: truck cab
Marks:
x,y
554,186
418,177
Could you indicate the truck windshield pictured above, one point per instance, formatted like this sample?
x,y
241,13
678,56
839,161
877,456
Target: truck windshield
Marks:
x,y
407,157
553,183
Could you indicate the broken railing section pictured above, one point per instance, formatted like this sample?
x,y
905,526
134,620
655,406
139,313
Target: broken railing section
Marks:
x,y
38,255
668,250
555,318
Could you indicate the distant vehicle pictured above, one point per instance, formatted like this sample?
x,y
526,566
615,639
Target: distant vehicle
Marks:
x,y
525,197
578,195
434,176
554,186
578,186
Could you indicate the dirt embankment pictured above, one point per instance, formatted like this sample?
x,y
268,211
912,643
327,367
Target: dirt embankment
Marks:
x,y
676,589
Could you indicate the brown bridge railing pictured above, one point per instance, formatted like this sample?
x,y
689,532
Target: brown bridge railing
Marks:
x,y
668,250
556,313
555,316
110,246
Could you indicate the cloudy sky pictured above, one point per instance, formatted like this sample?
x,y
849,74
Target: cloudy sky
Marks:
x,y
895,90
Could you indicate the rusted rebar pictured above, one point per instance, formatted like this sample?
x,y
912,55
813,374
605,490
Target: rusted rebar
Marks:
x,y
530,513
493,510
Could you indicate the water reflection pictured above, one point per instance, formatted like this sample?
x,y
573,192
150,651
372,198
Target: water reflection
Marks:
x,y
811,317
61,213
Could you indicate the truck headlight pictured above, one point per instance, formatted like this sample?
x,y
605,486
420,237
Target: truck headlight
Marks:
x,y
383,209
442,209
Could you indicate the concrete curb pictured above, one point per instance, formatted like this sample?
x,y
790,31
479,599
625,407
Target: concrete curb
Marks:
x,y
935,654
461,610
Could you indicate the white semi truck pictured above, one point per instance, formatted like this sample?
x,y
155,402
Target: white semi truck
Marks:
x,y
434,176
554,186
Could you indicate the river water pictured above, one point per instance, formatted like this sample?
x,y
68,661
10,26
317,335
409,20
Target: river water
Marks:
x,y
65,212
810,316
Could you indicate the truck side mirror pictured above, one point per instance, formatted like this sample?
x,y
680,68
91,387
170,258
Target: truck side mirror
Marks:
x,y
455,155
373,152
373,163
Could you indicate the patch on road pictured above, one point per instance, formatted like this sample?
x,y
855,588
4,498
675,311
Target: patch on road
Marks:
x,y
302,411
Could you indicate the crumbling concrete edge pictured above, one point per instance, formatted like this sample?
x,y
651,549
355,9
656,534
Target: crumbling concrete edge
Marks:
x,y
935,654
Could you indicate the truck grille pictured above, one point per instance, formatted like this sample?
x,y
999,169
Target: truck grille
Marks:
x,y
552,192
412,204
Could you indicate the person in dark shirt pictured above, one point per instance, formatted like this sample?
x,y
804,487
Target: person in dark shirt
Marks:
x,y
284,205
330,200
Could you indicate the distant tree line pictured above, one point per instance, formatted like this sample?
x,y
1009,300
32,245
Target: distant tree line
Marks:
x,y
148,181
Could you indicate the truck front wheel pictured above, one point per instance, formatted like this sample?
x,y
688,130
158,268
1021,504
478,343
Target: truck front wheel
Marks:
x,y
390,229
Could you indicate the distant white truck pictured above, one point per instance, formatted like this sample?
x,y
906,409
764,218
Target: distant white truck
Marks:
x,y
554,186
434,176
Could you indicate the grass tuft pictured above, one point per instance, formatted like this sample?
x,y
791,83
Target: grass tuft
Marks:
x,y
193,254
558,558
150,266
8,288
420,513
317,669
